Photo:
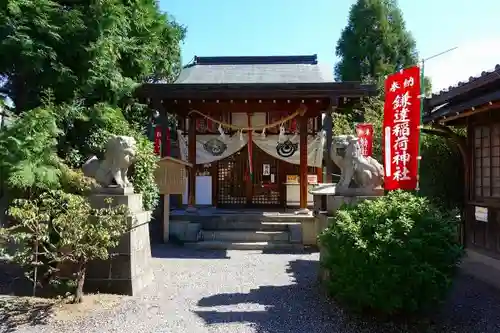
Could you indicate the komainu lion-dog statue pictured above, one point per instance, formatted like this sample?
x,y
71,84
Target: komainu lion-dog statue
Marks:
x,y
118,157
357,171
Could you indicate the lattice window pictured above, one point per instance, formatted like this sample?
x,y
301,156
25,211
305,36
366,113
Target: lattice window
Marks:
x,y
230,180
487,161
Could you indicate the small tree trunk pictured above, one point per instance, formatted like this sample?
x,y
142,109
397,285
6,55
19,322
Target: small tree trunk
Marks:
x,y
80,279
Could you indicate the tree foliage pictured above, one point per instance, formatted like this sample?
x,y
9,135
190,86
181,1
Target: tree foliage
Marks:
x,y
374,43
70,68
93,50
82,234
28,156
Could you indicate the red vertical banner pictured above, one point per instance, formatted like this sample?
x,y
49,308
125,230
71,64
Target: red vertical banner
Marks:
x,y
401,130
167,141
365,138
157,140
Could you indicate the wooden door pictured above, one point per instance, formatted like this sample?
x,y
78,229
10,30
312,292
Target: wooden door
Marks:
x,y
231,182
266,190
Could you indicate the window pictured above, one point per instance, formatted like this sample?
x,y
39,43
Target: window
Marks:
x,y
487,161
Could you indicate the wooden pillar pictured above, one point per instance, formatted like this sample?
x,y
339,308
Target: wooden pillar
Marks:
x,y
162,121
192,160
327,126
319,174
303,161
250,180
319,128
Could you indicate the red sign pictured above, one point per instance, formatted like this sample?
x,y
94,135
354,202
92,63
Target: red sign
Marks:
x,y
365,138
401,130
157,140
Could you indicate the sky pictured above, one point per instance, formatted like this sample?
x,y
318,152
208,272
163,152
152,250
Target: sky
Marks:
x,y
295,27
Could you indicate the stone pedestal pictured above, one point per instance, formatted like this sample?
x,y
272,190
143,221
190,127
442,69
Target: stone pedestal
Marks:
x,y
129,268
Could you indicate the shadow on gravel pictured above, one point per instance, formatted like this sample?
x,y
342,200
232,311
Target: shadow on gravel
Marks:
x,y
169,251
15,312
301,307
305,250
17,307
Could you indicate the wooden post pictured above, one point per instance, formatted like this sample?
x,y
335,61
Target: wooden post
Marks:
x,y
319,127
303,162
192,160
327,125
165,210
319,174
166,217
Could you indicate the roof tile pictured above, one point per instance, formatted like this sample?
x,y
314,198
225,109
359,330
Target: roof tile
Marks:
x,y
471,79
272,69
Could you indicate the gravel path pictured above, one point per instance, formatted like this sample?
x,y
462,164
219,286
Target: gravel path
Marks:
x,y
248,292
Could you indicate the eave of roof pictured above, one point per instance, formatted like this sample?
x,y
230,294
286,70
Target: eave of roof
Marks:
x,y
448,109
255,90
474,83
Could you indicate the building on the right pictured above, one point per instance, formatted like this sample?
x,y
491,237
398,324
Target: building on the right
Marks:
x,y
475,105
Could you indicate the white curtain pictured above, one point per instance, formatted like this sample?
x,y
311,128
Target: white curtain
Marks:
x,y
288,148
212,147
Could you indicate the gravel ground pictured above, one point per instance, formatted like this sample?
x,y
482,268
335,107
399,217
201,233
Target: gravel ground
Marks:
x,y
247,291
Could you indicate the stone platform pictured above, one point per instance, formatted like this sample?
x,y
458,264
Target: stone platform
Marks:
x,y
128,270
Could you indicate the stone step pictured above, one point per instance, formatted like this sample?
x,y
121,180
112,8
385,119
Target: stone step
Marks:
x,y
220,245
244,225
245,235
208,218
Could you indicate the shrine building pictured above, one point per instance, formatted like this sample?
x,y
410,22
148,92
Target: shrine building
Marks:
x,y
253,127
474,105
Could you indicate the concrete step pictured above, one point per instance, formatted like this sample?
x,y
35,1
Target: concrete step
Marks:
x,y
245,235
207,217
245,225
220,245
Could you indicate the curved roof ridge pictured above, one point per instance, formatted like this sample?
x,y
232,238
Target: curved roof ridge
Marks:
x,y
257,60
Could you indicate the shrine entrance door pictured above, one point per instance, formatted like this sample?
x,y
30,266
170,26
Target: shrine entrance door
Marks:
x,y
236,189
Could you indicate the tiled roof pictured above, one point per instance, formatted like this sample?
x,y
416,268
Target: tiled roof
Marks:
x,y
269,69
461,87
478,90
471,79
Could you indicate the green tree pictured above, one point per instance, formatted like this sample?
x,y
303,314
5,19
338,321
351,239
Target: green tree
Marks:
x,y
96,51
79,240
374,43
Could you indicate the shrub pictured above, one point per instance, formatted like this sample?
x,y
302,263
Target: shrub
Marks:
x,y
102,122
396,254
59,228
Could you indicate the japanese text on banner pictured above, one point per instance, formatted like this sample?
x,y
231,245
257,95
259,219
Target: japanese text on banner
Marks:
x,y
157,140
365,138
402,129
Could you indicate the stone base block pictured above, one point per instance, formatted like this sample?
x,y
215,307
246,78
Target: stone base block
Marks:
x,y
114,190
128,269
132,201
334,202
185,231
295,231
